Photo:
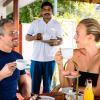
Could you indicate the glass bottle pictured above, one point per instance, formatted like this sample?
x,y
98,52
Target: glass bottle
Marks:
x,y
88,92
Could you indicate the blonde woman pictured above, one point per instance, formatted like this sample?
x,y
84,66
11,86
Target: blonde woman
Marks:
x,y
87,56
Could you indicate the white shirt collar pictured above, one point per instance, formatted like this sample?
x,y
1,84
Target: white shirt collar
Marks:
x,y
49,21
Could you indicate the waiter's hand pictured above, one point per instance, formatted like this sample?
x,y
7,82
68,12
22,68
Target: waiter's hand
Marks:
x,y
38,36
55,42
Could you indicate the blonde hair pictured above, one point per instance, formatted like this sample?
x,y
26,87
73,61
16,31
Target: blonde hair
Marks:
x,y
92,27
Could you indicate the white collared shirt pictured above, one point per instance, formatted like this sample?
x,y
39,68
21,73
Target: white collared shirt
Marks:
x,y
51,30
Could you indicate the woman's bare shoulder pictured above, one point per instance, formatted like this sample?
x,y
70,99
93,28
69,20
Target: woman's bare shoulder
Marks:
x,y
79,51
98,53
99,50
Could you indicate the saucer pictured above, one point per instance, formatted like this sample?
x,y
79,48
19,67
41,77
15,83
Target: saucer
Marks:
x,y
46,98
71,76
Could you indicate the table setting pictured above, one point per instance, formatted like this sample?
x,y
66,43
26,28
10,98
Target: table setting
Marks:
x,y
66,93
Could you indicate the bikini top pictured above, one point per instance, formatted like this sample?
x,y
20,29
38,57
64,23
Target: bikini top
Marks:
x,y
87,75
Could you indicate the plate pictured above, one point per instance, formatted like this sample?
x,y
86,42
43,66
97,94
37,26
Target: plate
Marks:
x,y
46,98
71,76
69,91
66,90
50,41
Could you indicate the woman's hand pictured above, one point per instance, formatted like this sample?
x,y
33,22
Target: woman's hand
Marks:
x,y
7,70
59,58
65,72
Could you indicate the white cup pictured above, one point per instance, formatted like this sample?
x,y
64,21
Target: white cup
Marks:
x,y
20,64
67,53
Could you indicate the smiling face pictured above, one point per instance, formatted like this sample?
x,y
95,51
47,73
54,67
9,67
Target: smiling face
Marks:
x,y
81,36
9,37
46,12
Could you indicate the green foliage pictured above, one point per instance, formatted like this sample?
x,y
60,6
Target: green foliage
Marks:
x,y
67,9
10,16
65,6
30,12
24,15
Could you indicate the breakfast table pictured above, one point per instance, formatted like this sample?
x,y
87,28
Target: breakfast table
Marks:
x,y
57,96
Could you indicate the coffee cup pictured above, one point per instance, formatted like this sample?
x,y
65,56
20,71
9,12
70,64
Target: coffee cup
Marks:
x,y
20,64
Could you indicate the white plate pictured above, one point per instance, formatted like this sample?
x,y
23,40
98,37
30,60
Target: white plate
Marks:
x,y
66,90
70,76
46,98
69,91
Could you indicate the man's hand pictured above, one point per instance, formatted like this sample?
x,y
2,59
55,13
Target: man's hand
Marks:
x,y
54,42
38,36
7,70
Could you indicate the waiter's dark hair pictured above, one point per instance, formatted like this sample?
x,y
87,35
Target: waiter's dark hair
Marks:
x,y
46,4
